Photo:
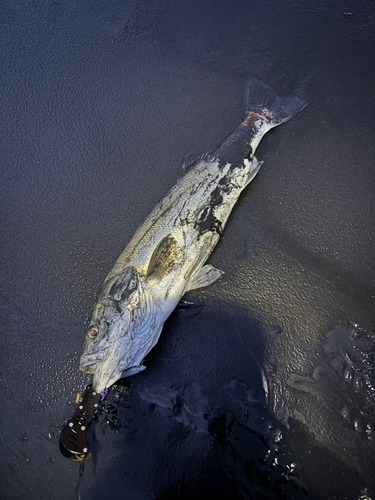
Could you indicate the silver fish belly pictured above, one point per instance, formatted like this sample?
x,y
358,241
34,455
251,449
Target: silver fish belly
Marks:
x,y
167,254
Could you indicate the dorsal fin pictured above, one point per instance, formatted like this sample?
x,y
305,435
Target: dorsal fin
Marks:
x,y
163,258
189,161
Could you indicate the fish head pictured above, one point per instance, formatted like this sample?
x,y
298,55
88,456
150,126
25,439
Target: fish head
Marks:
x,y
121,314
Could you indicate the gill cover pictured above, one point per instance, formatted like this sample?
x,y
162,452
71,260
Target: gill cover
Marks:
x,y
118,296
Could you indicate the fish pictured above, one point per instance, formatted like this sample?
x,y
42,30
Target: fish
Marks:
x,y
167,255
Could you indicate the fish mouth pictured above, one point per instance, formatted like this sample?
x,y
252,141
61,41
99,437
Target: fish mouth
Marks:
x,y
99,383
89,362
89,366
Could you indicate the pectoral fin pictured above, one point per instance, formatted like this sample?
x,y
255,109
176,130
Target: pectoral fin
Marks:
x,y
190,302
132,371
204,277
163,258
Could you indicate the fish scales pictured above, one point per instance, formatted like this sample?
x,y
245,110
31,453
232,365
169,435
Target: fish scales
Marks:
x,y
167,254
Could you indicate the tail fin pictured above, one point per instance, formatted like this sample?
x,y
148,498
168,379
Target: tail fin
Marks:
x,y
259,95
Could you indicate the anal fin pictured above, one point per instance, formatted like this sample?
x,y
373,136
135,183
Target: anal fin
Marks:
x,y
204,277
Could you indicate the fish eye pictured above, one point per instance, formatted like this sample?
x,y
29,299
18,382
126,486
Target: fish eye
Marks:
x,y
93,332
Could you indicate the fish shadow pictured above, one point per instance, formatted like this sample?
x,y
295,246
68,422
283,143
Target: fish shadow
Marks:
x,y
195,423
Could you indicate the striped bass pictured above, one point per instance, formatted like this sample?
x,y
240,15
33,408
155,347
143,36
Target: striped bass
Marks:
x,y
167,254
